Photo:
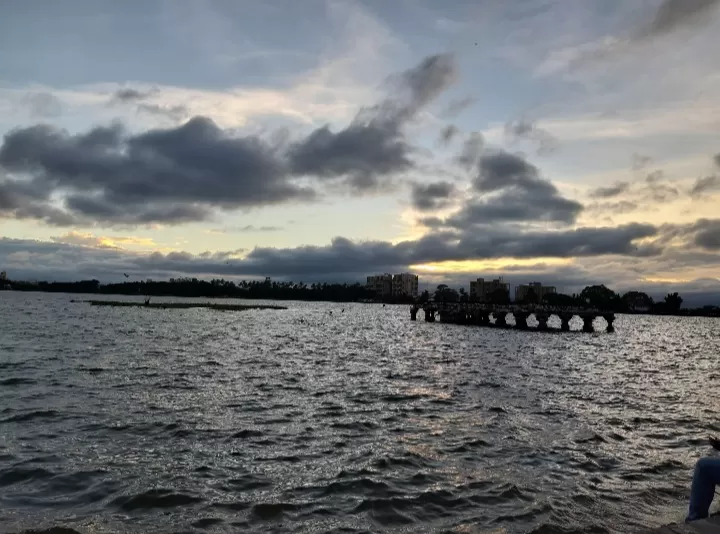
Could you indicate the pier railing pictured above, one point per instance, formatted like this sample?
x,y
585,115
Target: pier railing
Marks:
x,y
479,314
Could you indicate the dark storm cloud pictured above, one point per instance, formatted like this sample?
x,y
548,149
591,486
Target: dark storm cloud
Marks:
x,y
40,212
500,170
343,255
374,145
44,105
45,260
167,175
515,206
674,14
183,174
16,193
709,237
612,258
431,222
342,258
21,199
362,152
580,242
90,208
705,233
612,191
508,189
428,197
448,133
512,190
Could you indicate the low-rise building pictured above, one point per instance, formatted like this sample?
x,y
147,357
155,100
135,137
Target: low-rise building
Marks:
x,y
534,291
481,289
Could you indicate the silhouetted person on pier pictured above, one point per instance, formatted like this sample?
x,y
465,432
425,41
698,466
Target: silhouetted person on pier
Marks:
x,y
705,478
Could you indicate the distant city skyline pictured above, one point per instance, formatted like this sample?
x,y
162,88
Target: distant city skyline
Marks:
x,y
568,143
387,288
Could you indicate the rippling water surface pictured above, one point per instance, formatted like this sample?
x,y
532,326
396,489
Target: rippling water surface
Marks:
x,y
302,420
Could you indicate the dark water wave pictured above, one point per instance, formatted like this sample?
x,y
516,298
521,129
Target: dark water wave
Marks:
x,y
129,420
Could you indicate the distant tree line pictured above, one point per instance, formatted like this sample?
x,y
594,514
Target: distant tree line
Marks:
x,y
596,297
603,298
216,288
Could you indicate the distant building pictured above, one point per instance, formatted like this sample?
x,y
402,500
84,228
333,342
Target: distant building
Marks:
x,y
388,285
3,276
533,288
381,285
405,285
481,289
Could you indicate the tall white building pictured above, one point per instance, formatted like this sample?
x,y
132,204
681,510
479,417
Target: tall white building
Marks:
x,y
405,285
3,276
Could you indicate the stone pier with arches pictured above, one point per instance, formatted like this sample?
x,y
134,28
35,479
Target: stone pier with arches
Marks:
x,y
497,316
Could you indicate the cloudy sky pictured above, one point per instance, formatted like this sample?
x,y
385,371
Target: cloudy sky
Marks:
x,y
567,141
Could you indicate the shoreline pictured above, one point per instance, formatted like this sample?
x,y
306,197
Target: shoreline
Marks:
x,y
695,312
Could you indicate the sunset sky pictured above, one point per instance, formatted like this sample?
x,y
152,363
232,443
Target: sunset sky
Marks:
x,y
565,141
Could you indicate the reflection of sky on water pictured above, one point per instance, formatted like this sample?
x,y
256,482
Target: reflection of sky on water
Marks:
x,y
355,419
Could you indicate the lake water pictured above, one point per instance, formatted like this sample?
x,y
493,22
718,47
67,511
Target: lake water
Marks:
x,y
303,420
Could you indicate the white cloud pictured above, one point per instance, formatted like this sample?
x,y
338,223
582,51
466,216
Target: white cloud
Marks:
x,y
359,56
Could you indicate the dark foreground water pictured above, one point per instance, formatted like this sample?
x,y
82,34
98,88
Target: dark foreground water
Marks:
x,y
143,420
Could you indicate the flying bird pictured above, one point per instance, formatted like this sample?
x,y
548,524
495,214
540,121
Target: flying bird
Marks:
x,y
126,275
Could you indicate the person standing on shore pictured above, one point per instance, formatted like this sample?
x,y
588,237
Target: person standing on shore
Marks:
x,y
705,478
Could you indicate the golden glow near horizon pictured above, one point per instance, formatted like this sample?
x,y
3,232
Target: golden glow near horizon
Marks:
x,y
494,265
663,280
